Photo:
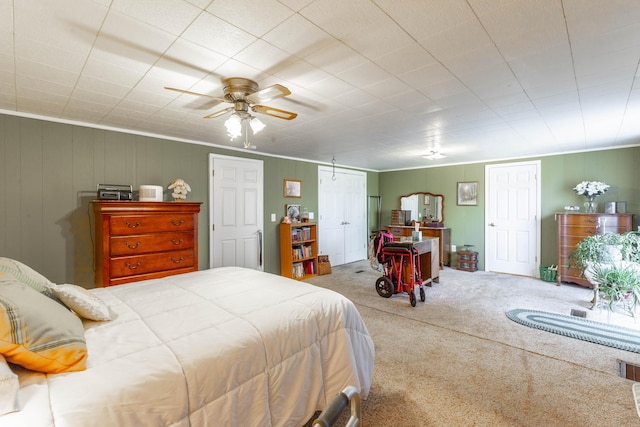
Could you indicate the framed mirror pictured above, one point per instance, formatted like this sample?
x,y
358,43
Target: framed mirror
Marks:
x,y
425,207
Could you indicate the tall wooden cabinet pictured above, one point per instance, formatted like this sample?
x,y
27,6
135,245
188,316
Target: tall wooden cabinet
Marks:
x,y
298,250
573,227
144,240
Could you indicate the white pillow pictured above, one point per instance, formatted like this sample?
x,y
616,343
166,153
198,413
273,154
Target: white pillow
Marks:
x,y
83,302
9,387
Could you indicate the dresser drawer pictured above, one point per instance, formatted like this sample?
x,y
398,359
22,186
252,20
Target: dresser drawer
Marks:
x,y
581,232
399,231
141,264
122,225
146,243
579,219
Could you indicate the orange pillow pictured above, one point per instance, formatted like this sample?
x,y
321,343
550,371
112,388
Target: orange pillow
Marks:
x,y
37,332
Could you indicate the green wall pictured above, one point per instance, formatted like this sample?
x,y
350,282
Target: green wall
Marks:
x,y
618,168
50,172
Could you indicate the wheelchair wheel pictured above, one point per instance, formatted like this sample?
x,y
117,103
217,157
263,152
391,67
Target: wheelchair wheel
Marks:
x,y
384,287
412,299
422,296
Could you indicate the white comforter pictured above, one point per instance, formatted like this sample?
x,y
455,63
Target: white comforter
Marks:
x,y
222,347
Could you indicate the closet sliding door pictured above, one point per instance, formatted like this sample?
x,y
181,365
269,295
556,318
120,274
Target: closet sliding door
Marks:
x,y
342,208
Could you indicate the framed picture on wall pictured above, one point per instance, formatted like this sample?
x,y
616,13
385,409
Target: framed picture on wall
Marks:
x,y
468,193
292,188
293,212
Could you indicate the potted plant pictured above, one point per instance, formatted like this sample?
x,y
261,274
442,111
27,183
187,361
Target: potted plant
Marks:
x,y
617,284
611,263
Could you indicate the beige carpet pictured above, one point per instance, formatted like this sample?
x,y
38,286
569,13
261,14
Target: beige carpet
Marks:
x,y
457,360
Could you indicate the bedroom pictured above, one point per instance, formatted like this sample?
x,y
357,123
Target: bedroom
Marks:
x,y
51,166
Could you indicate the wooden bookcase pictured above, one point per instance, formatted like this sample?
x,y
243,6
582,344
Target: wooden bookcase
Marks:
x,y
298,250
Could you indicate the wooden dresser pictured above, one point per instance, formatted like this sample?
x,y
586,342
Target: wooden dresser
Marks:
x,y
144,240
444,234
573,227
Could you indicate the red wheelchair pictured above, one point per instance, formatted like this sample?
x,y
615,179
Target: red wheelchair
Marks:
x,y
401,271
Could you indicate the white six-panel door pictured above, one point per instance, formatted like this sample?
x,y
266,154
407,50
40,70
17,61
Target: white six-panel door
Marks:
x,y
236,212
513,218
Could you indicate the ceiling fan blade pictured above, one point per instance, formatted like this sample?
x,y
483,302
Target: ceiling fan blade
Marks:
x,y
195,93
274,112
219,113
268,93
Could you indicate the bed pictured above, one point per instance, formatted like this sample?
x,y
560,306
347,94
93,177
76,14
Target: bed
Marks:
x,y
221,347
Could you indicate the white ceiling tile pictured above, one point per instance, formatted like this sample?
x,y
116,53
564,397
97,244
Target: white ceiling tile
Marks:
x,y
364,75
296,5
215,34
55,81
170,15
298,36
424,19
68,23
402,60
88,83
266,57
335,57
103,69
387,87
456,41
255,17
331,87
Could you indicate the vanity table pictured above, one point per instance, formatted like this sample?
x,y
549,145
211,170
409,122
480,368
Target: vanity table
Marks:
x,y
442,233
428,209
427,250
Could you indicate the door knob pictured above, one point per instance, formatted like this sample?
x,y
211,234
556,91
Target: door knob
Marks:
x,y
491,224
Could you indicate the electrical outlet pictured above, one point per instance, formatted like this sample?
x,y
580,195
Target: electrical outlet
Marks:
x,y
273,217
311,215
453,248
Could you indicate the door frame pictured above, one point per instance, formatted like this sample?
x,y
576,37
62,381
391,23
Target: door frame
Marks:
x,y
211,176
537,213
363,205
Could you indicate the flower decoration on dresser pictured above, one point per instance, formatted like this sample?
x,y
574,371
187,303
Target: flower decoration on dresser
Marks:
x,y
590,189
180,189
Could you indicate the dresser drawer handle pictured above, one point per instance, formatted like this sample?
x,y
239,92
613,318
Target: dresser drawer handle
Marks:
x,y
132,225
132,246
177,261
176,242
177,223
132,267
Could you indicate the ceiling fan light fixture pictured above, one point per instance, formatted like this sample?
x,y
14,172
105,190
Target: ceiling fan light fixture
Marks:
x,y
234,126
256,125
434,155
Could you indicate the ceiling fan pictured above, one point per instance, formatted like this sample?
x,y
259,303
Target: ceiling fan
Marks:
x,y
245,96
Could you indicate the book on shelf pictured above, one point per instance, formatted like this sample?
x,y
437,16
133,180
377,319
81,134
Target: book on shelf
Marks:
x,y
300,233
310,267
302,252
298,270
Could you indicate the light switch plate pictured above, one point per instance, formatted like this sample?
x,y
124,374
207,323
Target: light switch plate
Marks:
x,y
273,217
